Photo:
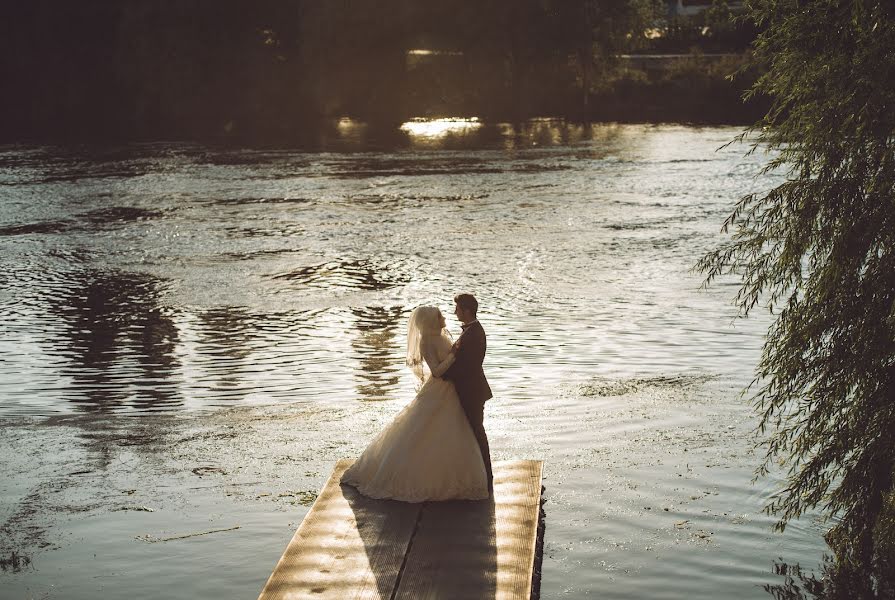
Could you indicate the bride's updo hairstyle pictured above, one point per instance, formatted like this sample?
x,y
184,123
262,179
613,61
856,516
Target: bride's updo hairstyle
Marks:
x,y
424,321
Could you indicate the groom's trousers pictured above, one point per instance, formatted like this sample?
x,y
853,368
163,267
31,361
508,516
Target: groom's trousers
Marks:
x,y
475,414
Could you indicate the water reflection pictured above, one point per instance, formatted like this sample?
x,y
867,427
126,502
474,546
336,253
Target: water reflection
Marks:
x,y
350,135
226,332
797,584
225,344
120,340
120,214
378,350
354,274
23,166
54,164
420,129
460,133
847,579
157,342
32,228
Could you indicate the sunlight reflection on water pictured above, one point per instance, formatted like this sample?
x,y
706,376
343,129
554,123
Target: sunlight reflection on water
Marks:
x,y
433,128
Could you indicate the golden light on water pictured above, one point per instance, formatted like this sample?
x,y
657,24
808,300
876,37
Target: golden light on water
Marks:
x,y
347,125
437,128
424,52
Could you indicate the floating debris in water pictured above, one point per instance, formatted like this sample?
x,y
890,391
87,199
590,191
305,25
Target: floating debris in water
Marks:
x,y
151,539
15,563
200,471
602,386
305,497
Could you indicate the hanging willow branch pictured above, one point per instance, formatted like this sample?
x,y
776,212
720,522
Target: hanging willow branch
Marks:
x,y
819,251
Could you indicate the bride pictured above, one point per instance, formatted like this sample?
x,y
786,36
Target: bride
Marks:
x,y
428,452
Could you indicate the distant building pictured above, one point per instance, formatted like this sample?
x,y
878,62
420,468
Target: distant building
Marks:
x,y
687,8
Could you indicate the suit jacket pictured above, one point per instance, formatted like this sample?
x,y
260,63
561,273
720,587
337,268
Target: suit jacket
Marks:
x,y
466,372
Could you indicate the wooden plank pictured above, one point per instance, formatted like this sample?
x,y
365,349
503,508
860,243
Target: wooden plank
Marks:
x,y
348,546
353,547
483,549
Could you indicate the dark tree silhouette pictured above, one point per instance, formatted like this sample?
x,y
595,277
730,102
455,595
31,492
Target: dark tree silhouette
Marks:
x,y
820,249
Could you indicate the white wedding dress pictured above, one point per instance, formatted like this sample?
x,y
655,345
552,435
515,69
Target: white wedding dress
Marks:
x,y
428,452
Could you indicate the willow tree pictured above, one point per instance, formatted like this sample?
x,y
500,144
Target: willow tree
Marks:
x,y
819,251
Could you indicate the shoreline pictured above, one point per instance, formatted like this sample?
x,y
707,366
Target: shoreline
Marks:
x,y
372,138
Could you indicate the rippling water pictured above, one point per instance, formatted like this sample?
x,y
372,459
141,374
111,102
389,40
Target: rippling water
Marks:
x,y
165,306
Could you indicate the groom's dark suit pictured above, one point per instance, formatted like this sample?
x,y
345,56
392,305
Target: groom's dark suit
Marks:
x,y
472,387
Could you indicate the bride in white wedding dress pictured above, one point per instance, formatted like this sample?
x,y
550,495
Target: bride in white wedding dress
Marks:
x,y
428,452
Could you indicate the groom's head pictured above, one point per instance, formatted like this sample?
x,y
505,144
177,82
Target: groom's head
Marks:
x,y
466,308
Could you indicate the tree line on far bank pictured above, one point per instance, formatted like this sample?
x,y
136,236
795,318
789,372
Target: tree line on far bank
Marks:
x,y
277,69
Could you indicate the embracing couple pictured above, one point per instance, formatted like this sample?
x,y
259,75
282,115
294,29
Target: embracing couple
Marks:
x,y
436,448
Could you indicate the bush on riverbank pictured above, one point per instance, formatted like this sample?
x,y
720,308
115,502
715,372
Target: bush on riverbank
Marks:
x,y
695,89
719,29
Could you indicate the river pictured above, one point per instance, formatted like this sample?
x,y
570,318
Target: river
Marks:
x,y
192,335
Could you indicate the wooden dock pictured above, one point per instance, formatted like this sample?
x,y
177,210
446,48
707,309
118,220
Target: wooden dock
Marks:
x,y
353,547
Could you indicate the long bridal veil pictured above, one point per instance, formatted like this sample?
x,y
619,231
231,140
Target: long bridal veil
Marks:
x,y
425,322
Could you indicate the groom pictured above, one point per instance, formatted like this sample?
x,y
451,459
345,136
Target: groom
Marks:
x,y
467,373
